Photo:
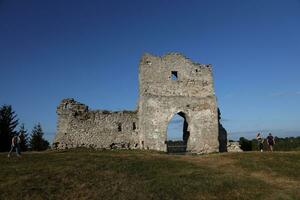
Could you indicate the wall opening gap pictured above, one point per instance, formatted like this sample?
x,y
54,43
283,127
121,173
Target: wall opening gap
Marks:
x,y
133,126
174,75
119,127
177,134
67,106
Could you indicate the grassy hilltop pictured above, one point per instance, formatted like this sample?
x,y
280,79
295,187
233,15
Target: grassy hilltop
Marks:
x,y
87,174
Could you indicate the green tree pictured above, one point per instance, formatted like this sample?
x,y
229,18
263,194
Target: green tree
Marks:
x,y
24,138
8,124
37,142
246,145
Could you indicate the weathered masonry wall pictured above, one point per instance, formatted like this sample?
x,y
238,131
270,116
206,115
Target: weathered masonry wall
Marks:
x,y
168,85
77,126
174,84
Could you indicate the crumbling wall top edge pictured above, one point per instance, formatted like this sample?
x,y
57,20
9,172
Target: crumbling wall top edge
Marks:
x,y
114,112
71,104
177,55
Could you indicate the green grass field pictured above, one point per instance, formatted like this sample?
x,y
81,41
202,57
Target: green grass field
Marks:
x,y
88,174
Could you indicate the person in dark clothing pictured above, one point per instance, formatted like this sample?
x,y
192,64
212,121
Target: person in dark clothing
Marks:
x,y
260,142
270,141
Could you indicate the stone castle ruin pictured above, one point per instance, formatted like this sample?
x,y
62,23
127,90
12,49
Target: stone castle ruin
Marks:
x,y
168,85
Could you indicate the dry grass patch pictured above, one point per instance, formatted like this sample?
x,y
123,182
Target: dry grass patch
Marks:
x,y
88,174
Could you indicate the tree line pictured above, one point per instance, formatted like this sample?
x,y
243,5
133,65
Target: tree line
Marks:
x,y
281,144
9,127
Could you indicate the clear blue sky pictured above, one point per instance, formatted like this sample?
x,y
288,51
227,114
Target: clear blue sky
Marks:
x,y
89,50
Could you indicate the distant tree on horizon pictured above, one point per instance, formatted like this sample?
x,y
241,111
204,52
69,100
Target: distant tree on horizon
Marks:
x,y
246,145
24,138
282,144
8,124
37,142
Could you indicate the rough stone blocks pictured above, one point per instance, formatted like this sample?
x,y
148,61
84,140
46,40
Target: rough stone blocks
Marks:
x,y
168,85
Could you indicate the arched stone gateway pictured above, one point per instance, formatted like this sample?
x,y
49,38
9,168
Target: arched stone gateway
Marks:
x,y
167,85
161,95
179,143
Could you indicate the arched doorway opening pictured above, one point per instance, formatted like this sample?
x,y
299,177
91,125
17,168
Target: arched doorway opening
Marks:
x,y
177,134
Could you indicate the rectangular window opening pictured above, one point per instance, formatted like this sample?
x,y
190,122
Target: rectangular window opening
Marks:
x,y
133,126
174,75
119,127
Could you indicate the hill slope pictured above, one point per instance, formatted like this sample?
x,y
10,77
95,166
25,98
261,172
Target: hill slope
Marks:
x,y
87,174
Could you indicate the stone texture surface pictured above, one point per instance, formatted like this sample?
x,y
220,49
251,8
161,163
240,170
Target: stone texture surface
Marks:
x,y
161,97
234,147
168,85
79,127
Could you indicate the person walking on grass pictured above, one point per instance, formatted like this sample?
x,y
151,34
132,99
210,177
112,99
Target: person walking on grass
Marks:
x,y
15,144
260,142
270,141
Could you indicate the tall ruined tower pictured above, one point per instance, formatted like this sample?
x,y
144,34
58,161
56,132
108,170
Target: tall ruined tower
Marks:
x,y
170,85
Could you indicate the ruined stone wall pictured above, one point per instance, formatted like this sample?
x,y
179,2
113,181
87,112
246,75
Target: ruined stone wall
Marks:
x,y
234,147
168,85
77,126
174,84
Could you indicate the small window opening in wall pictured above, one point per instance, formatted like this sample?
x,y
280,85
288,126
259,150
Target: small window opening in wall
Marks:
x,y
119,127
174,75
196,70
133,126
67,106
